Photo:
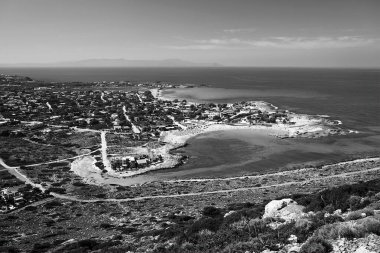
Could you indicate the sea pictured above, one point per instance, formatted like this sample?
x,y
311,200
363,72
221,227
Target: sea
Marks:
x,y
351,96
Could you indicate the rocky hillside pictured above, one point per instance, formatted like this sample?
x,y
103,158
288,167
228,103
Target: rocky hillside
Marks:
x,y
342,219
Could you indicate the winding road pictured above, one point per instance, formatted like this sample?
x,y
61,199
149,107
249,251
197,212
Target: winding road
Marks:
x,y
19,175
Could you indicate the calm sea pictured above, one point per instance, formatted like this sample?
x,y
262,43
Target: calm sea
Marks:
x,y
349,95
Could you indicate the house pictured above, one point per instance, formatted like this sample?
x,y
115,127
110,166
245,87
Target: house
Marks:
x,y
142,162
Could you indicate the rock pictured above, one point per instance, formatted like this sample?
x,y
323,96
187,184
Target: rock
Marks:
x,y
286,209
368,244
294,249
268,251
229,213
362,249
292,239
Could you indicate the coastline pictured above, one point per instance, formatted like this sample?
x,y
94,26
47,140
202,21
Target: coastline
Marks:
x,y
178,138
303,126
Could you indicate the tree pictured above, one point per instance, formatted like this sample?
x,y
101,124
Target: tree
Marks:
x,y
94,122
217,118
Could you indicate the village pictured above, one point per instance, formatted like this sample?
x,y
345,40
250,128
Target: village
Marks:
x,y
37,111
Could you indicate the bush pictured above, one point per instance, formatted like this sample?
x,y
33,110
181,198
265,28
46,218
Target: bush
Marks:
x,y
304,224
208,223
57,190
127,230
41,247
211,211
78,184
358,214
349,229
53,204
243,247
88,243
370,225
106,225
180,218
339,197
316,245
9,249
231,218
354,202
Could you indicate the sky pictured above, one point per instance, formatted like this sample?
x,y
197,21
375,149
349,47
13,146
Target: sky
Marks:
x,y
280,33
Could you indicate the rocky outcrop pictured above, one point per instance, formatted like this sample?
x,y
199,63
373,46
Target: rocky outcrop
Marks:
x,y
286,209
369,244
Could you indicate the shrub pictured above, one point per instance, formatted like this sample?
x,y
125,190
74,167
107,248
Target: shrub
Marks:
x,y
370,225
329,208
252,213
79,184
338,197
57,190
354,216
354,202
180,218
52,204
106,225
208,223
231,218
88,243
211,211
243,247
304,224
127,230
316,245
358,214
9,249
350,231
239,206
41,247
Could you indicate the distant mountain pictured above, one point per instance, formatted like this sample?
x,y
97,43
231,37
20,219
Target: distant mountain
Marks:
x,y
119,63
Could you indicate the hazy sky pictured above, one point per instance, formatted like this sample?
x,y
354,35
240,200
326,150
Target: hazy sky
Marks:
x,y
321,33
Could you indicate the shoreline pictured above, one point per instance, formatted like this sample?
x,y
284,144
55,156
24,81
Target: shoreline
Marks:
x,y
178,138
301,126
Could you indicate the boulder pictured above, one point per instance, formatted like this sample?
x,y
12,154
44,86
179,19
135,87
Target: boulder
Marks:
x,y
286,209
229,213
